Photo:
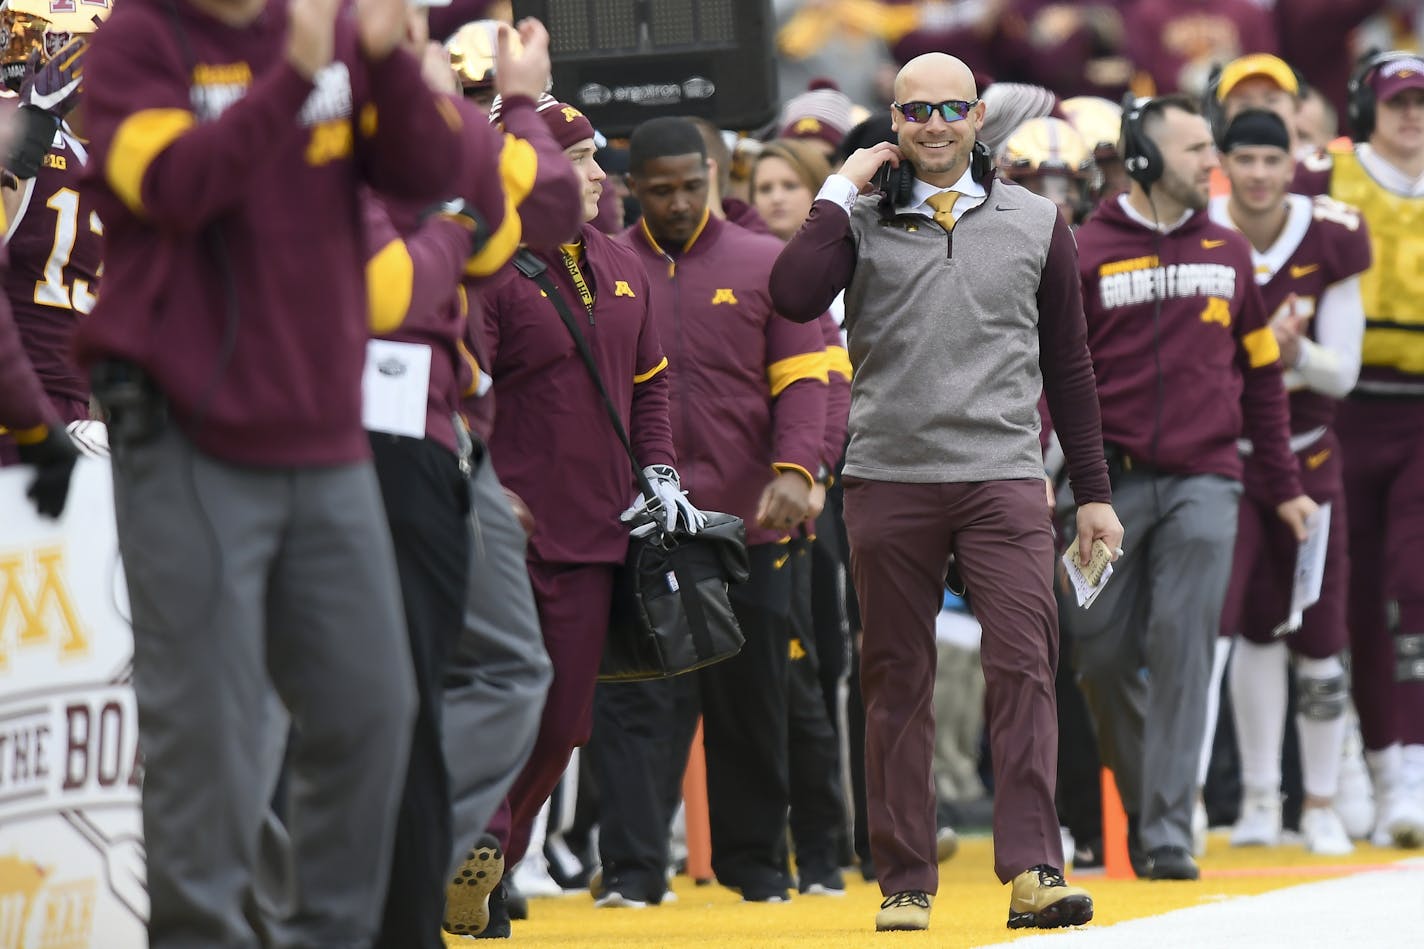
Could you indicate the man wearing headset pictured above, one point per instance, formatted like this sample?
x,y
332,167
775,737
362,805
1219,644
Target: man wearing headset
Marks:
x,y
961,309
1381,428
1183,355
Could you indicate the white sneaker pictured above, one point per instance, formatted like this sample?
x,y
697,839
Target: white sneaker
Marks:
x,y
1403,819
1355,800
532,878
1260,822
1199,828
616,900
1324,833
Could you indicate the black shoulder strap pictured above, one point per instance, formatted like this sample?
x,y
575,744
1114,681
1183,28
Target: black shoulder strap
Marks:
x,y
535,269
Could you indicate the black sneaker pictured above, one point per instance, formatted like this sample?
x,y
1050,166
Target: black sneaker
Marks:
x,y
516,902
498,925
467,895
827,883
1172,863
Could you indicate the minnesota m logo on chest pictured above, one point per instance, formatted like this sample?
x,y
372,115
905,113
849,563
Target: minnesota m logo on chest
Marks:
x,y
724,295
35,606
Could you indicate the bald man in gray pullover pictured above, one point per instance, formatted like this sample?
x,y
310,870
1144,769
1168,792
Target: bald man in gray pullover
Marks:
x,y
962,305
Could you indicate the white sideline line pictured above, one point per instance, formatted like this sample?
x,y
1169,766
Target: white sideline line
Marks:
x,y
1377,910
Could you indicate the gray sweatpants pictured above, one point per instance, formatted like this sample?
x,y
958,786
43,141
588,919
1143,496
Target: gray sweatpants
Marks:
x,y
242,580
1144,647
499,672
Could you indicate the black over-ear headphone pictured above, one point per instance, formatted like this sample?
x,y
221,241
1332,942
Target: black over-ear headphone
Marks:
x,y
1361,104
1141,157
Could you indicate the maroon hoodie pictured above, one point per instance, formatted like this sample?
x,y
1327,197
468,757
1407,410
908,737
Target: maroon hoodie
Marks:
x,y
228,186
1219,363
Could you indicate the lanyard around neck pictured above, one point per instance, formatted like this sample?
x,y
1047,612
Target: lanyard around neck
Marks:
x,y
585,292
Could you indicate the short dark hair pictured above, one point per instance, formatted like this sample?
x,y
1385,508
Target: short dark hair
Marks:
x,y
663,138
1158,107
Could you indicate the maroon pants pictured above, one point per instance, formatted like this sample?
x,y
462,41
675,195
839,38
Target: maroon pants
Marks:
x,y
1383,445
901,536
573,602
1263,563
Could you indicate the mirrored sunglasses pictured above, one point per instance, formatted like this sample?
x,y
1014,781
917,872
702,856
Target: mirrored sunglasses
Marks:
x,y
951,110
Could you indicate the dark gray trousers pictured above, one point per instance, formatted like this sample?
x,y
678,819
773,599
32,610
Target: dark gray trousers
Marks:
x,y
242,580
1143,649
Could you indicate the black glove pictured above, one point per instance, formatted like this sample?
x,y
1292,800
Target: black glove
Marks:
x,y
53,459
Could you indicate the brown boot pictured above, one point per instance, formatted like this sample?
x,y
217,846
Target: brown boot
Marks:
x,y
906,910
1042,900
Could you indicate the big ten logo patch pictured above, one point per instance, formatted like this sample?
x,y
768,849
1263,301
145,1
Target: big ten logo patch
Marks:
x,y
37,912
36,609
327,112
216,87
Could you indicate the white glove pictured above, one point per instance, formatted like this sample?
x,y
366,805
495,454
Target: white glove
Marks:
x,y
90,437
670,504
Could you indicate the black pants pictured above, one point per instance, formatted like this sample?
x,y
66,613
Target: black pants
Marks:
x,y
1080,797
817,809
828,609
642,732
427,501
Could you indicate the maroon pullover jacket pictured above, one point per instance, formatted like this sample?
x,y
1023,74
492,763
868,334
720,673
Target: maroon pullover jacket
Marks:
x,y
552,443
228,187
1220,365
748,388
416,270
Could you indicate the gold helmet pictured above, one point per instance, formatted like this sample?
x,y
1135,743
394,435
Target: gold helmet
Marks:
x,y
472,51
1098,121
43,26
1045,146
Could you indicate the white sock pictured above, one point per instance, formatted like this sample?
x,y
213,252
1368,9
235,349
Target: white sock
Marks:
x,y
1222,650
1384,765
1258,698
1321,742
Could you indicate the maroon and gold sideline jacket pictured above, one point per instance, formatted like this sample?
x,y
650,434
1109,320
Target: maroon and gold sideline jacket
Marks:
x,y
748,387
227,184
552,443
1220,365
56,248
421,274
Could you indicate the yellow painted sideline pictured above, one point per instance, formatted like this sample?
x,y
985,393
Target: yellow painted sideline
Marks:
x,y
970,910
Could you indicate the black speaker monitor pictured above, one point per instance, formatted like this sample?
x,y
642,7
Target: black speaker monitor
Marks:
x,y
623,62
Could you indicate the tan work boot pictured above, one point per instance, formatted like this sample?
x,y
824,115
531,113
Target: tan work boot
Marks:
x,y
1043,900
906,910
467,894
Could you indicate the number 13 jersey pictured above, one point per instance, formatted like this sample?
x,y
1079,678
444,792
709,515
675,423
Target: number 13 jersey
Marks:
x,y
56,246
